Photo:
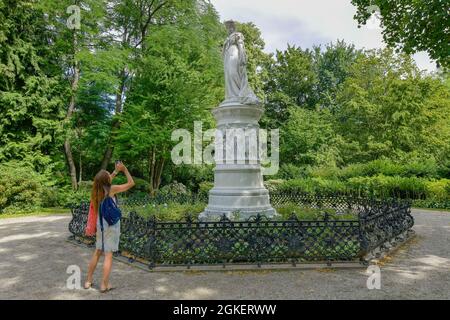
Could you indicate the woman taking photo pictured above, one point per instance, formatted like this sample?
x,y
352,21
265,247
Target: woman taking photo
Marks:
x,y
101,189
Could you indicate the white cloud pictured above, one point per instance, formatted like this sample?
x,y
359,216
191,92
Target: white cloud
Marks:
x,y
306,22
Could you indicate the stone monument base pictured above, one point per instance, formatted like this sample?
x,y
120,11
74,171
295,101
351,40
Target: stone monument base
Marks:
x,y
237,204
238,193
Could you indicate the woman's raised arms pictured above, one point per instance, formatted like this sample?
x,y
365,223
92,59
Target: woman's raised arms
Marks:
x,y
122,187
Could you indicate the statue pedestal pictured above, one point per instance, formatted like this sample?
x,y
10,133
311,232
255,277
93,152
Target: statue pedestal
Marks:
x,y
238,190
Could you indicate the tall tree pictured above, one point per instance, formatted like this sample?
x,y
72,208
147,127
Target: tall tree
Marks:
x,y
412,26
75,31
292,82
178,81
131,22
387,107
31,94
332,65
308,136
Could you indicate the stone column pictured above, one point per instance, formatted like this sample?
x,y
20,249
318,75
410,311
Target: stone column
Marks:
x,y
238,190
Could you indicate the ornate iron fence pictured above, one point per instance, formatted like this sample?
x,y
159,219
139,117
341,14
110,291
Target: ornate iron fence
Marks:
x,y
374,224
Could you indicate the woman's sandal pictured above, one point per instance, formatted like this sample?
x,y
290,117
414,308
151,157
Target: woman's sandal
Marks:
x,y
107,290
88,285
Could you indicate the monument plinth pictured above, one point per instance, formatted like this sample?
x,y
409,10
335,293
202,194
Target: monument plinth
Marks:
x,y
238,190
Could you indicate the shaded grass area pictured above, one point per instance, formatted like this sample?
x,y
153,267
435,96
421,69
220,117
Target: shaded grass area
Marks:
x,y
38,212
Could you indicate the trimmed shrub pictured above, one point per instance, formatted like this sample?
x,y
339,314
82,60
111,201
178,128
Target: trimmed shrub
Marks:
x,y
297,185
21,187
290,171
312,186
417,168
65,196
174,189
329,172
170,211
141,185
273,185
438,189
432,203
376,186
385,186
204,188
189,175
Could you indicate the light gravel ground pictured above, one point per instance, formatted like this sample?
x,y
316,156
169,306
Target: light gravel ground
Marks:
x,y
34,256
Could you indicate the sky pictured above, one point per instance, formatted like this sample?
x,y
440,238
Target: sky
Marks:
x,y
306,23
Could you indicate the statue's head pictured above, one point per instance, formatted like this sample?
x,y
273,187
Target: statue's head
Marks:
x,y
231,26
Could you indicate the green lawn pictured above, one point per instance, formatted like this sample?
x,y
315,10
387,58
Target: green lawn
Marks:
x,y
176,211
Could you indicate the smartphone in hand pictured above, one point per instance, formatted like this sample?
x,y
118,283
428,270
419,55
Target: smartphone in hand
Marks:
x,y
119,165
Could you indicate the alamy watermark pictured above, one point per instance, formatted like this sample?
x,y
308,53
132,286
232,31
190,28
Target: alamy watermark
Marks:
x,y
247,145
374,22
73,282
374,280
74,20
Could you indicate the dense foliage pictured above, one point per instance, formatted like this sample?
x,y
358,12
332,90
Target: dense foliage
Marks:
x,y
412,26
74,100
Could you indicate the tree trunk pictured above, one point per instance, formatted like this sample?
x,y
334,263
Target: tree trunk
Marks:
x,y
71,163
107,155
156,166
70,111
80,171
151,165
159,170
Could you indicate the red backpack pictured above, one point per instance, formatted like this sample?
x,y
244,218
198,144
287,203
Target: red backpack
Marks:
x,y
91,226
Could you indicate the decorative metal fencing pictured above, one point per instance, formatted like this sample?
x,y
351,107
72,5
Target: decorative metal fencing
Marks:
x,y
367,225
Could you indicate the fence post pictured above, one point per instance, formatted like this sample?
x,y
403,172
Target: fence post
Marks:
x,y
152,242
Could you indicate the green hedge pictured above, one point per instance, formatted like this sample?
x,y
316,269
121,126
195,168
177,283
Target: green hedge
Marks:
x,y
21,188
433,193
416,168
432,203
310,185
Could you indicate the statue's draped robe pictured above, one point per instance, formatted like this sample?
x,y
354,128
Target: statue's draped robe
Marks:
x,y
235,63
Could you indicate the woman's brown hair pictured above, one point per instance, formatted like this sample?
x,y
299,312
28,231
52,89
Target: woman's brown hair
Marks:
x,y
100,188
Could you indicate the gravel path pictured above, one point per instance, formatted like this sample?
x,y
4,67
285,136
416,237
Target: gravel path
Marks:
x,y
34,256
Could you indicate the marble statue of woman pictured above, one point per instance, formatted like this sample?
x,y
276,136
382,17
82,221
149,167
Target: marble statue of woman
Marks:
x,y
235,64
